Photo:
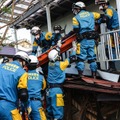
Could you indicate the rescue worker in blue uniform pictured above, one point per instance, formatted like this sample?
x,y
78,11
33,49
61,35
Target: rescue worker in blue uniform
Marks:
x,y
112,20
84,27
112,23
44,40
36,83
56,77
56,35
13,84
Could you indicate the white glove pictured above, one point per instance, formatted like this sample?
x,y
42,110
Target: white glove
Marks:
x,y
59,44
29,109
74,46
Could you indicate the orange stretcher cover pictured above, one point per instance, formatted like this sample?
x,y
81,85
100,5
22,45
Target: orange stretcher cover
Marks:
x,y
66,45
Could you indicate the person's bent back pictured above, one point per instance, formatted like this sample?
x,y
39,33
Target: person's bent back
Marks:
x,y
13,78
36,83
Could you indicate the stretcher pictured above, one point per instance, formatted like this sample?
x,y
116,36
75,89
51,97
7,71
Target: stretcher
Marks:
x,y
66,45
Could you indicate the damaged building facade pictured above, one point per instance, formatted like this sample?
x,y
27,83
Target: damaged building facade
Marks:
x,y
86,98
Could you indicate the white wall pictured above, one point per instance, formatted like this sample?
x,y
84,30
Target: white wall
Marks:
x,y
64,20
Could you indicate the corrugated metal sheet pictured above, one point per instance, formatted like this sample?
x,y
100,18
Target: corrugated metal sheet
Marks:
x,y
95,85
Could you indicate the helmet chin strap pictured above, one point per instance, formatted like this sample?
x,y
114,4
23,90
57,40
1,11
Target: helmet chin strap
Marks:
x,y
57,59
22,63
75,12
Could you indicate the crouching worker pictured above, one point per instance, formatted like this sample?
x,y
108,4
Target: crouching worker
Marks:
x,y
36,83
13,80
56,77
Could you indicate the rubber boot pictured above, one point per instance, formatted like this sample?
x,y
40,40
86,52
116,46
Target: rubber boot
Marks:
x,y
80,73
94,74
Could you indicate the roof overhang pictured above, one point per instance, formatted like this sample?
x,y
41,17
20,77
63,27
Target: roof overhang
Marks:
x,y
35,12
37,15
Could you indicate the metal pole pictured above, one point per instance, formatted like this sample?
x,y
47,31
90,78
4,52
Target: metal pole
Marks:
x,y
48,18
15,36
118,9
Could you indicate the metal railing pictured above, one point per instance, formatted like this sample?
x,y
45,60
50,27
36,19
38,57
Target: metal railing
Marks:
x,y
108,48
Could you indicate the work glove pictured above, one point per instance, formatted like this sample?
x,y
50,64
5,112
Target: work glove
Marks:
x,y
73,56
74,46
29,109
59,44
104,18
